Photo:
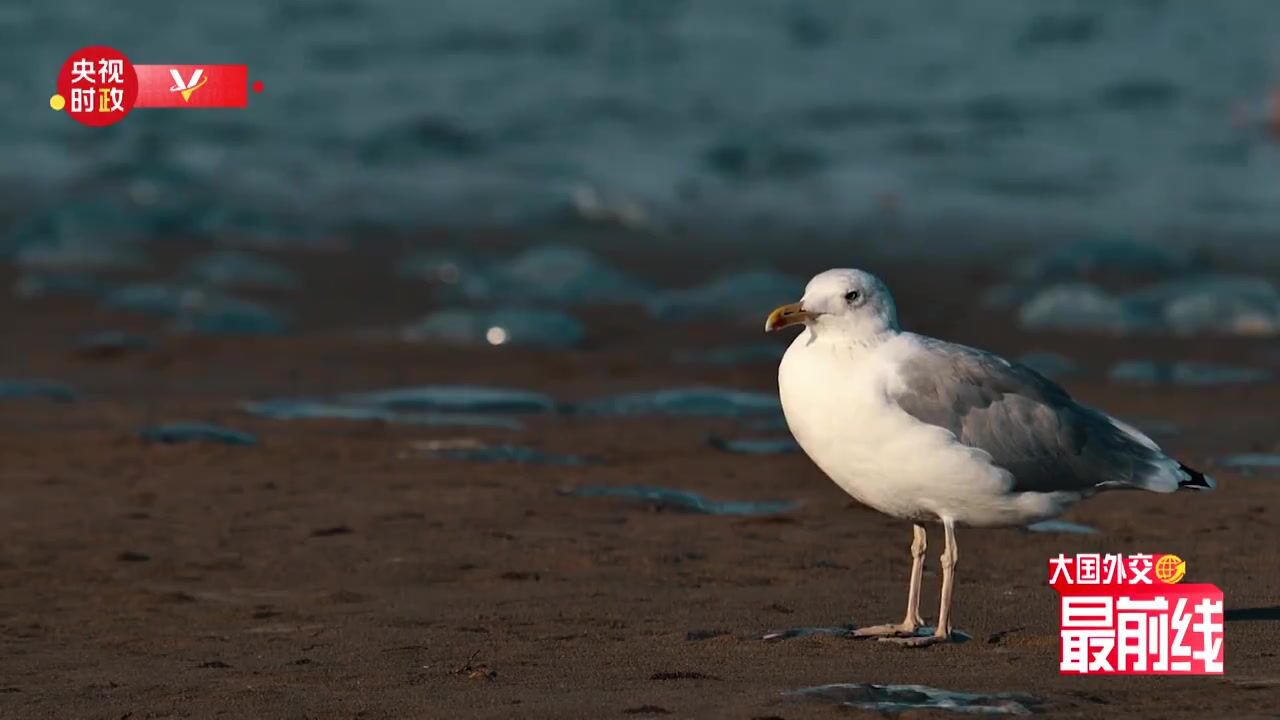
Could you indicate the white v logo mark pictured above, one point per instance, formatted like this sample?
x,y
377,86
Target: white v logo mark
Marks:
x,y
186,88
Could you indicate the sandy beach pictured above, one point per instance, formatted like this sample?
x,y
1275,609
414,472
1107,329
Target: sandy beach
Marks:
x,y
336,569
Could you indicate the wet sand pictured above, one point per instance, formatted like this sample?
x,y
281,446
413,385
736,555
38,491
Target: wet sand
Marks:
x,y
332,572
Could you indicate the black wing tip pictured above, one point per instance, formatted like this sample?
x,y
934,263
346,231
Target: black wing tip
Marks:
x,y
1195,479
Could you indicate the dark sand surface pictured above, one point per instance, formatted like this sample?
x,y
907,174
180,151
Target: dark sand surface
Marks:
x,y
330,573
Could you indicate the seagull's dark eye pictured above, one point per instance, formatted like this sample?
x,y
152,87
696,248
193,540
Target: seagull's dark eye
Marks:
x,y
851,296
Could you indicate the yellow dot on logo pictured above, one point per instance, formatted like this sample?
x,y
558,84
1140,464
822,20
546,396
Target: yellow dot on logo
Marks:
x,y
57,102
1170,569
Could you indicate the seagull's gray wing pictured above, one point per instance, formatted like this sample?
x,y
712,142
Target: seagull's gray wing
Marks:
x,y
1030,426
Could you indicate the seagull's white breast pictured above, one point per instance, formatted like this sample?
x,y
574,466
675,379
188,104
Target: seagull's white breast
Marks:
x,y
836,397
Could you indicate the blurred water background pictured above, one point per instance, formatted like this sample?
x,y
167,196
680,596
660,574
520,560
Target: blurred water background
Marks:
x,y
987,119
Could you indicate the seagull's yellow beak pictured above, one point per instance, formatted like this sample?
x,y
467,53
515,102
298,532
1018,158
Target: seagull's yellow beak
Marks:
x,y
792,314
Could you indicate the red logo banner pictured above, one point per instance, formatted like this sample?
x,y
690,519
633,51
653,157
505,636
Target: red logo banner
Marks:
x,y
98,86
192,86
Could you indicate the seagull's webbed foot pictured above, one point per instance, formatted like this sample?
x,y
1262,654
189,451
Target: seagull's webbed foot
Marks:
x,y
886,632
919,640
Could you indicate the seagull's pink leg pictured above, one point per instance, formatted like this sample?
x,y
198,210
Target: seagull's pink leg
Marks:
x,y
919,544
950,554
913,621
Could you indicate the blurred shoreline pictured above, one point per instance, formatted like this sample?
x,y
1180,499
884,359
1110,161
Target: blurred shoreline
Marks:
x,y
1019,125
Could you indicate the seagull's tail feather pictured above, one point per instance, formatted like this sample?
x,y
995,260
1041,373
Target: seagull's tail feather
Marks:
x,y
1167,474
1163,474
1194,479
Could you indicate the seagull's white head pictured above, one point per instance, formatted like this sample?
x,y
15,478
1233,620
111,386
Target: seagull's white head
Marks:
x,y
851,303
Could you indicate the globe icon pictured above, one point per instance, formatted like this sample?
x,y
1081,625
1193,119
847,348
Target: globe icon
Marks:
x,y
1170,569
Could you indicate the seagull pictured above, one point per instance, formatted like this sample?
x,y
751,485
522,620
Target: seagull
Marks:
x,y
933,432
